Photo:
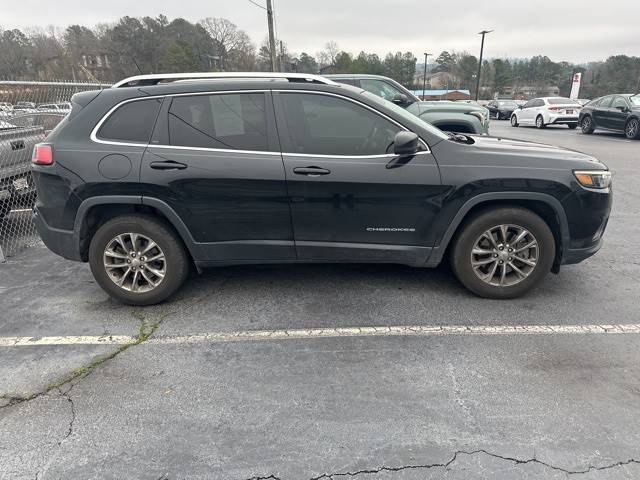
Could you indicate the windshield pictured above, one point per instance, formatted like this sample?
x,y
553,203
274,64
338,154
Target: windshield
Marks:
x,y
562,101
635,100
401,112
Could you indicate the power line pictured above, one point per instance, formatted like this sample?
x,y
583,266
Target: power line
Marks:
x,y
257,5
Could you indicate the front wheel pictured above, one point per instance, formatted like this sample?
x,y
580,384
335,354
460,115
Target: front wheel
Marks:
x,y
514,121
138,259
540,122
503,253
632,129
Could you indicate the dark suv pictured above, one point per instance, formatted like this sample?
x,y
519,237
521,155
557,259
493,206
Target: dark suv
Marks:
x,y
150,177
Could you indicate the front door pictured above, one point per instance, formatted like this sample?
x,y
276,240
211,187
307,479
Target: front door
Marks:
x,y
214,159
618,114
348,202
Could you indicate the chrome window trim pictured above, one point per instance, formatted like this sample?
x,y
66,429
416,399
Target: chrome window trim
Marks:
x,y
94,133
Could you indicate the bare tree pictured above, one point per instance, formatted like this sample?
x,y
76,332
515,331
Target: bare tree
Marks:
x,y
233,45
332,50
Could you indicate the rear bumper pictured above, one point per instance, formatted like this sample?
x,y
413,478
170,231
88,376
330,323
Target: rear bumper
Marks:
x,y
61,242
563,120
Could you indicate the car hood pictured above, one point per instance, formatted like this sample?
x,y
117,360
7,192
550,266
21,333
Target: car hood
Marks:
x,y
449,107
509,152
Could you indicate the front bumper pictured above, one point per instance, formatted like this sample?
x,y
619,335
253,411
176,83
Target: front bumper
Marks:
x,y
61,242
577,255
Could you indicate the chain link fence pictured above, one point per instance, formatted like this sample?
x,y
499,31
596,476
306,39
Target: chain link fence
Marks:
x,y
28,112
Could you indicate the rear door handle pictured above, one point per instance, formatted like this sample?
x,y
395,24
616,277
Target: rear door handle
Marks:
x,y
168,165
311,171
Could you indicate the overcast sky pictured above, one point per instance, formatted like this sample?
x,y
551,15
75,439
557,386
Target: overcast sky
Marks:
x,y
569,30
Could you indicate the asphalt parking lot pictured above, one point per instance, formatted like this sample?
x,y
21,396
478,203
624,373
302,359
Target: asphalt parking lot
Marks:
x,y
331,371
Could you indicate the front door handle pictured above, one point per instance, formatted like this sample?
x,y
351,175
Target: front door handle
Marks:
x,y
311,171
168,165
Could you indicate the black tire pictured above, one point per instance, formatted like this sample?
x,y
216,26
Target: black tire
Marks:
x,y
586,125
572,126
473,229
514,121
177,261
632,129
540,122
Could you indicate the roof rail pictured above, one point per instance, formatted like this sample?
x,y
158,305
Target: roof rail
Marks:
x,y
154,79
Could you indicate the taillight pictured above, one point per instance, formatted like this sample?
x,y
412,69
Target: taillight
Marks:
x,y
554,109
42,154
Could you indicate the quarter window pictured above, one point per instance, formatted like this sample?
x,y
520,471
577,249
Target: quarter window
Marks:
x,y
380,88
131,122
235,121
326,125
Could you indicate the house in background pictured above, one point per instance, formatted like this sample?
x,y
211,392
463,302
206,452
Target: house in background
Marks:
x,y
443,94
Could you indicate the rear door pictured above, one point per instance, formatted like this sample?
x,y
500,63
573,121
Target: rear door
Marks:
x,y
214,159
346,203
601,112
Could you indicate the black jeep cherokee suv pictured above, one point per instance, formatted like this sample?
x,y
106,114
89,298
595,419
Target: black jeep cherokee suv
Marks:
x,y
150,177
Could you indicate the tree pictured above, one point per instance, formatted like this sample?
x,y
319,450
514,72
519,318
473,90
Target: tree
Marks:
x,y
307,64
445,62
232,45
179,57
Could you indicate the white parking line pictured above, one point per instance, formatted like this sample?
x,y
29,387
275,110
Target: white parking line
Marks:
x,y
255,335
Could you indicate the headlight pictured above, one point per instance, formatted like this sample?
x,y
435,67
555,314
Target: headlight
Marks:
x,y
593,178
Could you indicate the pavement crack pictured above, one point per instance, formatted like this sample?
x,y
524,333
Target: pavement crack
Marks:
x,y
145,331
73,414
518,461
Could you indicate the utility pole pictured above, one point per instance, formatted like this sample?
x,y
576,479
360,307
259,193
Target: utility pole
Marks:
x,y
483,33
272,38
282,69
424,78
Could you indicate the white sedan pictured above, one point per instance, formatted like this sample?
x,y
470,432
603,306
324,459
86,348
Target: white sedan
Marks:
x,y
544,111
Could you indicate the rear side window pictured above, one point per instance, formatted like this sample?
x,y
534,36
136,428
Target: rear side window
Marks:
x,y
235,121
132,122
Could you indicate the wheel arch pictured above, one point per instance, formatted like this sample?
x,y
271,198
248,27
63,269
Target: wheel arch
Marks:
x,y
95,211
546,206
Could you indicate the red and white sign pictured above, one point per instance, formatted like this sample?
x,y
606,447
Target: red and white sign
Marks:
x,y
575,86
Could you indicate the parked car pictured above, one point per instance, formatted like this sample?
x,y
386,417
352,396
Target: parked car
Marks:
x,y
16,184
48,120
24,106
501,109
64,107
448,116
583,101
144,182
541,112
616,113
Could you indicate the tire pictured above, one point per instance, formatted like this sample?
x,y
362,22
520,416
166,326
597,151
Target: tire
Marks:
x,y
472,235
540,122
514,121
587,126
174,265
572,126
632,129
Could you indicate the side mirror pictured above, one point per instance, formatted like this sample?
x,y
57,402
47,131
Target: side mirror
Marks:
x,y
405,143
400,99
621,108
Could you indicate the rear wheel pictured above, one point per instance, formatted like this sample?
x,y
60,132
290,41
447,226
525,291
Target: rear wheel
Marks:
x,y
503,253
138,260
540,122
587,126
632,129
514,120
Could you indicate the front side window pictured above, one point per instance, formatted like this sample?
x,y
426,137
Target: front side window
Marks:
x,y
530,104
131,122
605,102
327,125
619,102
380,88
235,121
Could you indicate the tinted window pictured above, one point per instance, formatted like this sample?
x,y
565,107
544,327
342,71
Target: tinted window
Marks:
x,y
132,122
380,88
529,104
619,102
562,101
605,102
326,125
235,121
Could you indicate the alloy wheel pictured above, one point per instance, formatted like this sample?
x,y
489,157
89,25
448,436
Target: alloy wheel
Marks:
x,y
504,255
586,124
134,262
632,129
